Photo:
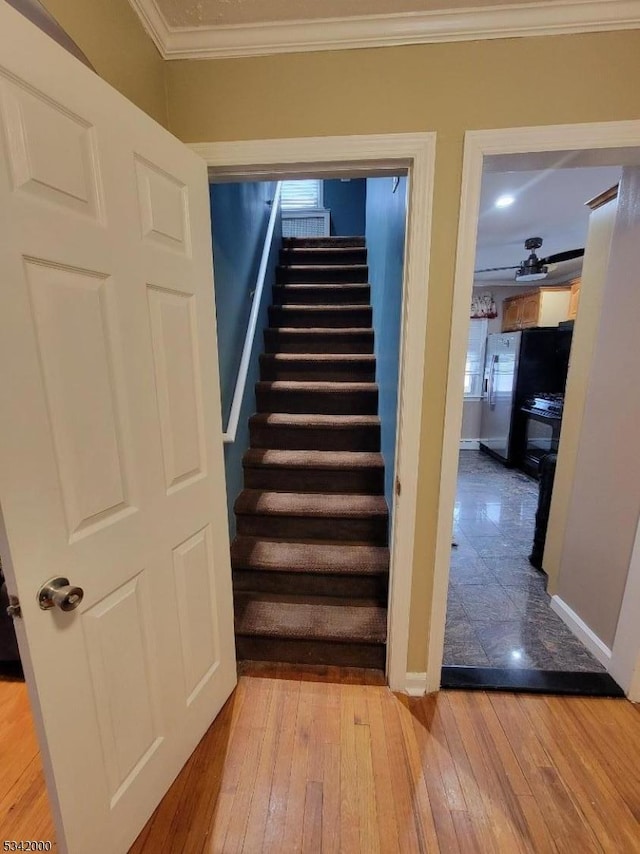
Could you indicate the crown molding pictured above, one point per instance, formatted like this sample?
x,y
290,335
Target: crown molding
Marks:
x,y
552,17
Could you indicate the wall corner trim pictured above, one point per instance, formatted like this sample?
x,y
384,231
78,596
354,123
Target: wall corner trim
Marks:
x,y
582,631
366,31
415,684
469,444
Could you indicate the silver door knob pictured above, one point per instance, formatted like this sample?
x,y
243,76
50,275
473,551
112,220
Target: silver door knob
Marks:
x,y
57,592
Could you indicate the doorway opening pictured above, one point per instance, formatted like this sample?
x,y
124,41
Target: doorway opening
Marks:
x,y
310,408
24,805
385,154
506,626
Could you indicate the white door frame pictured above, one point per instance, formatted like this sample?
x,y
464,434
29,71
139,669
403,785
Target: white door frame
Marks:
x,y
388,153
478,145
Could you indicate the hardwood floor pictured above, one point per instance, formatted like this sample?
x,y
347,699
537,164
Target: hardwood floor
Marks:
x,y
296,763
24,807
317,766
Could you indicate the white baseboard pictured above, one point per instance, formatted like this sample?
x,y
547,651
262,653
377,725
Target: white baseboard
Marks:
x,y
469,444
582,631
415,684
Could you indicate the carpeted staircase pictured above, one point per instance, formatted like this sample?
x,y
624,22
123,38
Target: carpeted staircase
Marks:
x,y
310,559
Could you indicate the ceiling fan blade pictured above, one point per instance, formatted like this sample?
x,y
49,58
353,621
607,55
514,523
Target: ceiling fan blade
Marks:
x,y
496,269
569,255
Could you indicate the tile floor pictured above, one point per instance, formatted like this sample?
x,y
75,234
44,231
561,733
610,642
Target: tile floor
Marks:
x,y
499,613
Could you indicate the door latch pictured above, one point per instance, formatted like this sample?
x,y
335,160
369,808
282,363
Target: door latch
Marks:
x,y
13,608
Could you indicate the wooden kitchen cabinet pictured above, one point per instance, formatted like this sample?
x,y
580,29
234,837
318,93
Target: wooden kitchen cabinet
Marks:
x,y
511,310
574,299
542,307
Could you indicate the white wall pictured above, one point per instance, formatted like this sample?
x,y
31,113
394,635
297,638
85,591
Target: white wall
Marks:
x,y
605,499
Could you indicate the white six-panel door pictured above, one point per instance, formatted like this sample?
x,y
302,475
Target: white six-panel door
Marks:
x,y
111,467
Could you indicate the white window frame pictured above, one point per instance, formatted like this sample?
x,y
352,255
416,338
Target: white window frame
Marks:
x,y
476,347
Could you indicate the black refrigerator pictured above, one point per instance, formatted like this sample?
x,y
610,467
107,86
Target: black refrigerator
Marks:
x,y
518,365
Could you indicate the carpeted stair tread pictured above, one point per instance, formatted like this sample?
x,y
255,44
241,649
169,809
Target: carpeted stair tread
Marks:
x,y
345,308
330,269
300,556
318,367
365,623
345,293
315,386
328,422
329,460
317,242
337,250
323,255
317,340
335,397
310,504
345,358
342,331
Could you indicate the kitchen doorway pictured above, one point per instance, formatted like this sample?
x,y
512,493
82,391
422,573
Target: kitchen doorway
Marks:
x,y
499,616
484,147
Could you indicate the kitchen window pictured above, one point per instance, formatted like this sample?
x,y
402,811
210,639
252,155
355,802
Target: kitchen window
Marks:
x,y
474,368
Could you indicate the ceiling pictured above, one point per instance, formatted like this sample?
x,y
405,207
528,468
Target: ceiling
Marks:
x,y
203,29
549,204
185,13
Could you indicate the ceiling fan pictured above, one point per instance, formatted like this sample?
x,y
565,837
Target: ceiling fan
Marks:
x,y
532,269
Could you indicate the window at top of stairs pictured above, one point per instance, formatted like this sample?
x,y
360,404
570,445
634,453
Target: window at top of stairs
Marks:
x,y
301,195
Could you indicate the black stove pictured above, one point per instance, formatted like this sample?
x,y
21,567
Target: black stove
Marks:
x,y
543,414
545,405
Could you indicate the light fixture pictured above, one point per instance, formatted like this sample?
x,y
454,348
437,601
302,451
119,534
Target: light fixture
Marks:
x,y
530,277
504,201
531,269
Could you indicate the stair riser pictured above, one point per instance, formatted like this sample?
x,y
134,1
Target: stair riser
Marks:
x,y
311,652
300,275
316,403
311,584
358,481
317,371
321,295
278,341
330,255
328,242
367,530
332,319
315,438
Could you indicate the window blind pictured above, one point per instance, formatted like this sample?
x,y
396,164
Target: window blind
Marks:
x,y
301,195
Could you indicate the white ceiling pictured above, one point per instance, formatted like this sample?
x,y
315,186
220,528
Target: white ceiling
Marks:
x,y
186,13
201,29
549,204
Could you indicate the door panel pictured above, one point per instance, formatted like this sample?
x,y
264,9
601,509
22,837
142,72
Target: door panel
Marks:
x,y
178,383
111,466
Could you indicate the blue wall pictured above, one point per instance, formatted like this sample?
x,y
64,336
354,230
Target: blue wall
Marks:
x,y
346,201
385,233
239,219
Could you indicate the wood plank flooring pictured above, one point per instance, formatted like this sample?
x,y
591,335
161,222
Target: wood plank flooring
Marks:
x,y
302,761
24,807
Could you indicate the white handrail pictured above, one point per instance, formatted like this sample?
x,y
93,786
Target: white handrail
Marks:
x,y
229,434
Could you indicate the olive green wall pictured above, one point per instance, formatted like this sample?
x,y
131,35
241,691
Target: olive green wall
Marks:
x,y
111,35
448,88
